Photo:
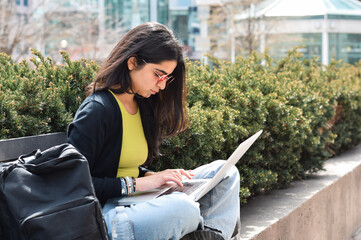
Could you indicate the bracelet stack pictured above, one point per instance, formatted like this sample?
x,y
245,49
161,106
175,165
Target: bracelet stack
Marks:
x,y
127,185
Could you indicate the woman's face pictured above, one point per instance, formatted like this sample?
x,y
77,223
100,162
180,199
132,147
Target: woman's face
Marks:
x,y
144,78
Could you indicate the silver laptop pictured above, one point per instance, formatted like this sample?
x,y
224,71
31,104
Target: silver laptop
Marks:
x,y
195,188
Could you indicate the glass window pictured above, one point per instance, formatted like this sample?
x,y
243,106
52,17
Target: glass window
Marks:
x,y
280,44
179,24
162,11
123,15
345,46
113,13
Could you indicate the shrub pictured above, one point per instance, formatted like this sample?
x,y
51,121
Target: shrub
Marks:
x,y
346,125
292,100
38,96
308,112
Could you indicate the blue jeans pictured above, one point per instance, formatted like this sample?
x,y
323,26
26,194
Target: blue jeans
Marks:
x,y
175,215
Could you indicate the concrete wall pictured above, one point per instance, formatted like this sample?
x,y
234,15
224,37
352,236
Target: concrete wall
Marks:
x,y
326,205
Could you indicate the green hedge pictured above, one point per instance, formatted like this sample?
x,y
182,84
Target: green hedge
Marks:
x,y
308,112
308,115
37,96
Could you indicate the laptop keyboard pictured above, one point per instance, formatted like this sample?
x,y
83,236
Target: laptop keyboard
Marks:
x,y
188,188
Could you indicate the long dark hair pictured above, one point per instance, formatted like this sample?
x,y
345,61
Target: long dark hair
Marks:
x,y
163,114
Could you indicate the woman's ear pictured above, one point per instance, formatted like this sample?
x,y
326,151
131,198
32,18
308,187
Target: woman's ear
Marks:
x,y
132,63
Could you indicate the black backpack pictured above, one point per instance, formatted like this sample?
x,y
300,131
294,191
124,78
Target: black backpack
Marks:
x,y
49,195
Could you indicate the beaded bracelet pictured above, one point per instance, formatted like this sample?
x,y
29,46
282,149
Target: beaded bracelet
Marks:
x,y
130,185
134,183
127,185
124,189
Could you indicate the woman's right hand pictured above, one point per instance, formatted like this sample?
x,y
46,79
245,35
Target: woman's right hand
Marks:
x,y
157,179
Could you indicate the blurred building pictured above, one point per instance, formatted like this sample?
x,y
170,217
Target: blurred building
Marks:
x,y
91,28
222,28
126,14
14,16
194,30
84,28
116,17
227,28
199,40
183,20
120,16
214,31
52,25
178,18
327,28
68,25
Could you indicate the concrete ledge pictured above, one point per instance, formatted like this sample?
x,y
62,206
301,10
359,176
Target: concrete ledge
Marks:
x,y
326,205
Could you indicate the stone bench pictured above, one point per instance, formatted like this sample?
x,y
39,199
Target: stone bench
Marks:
x,y
11,149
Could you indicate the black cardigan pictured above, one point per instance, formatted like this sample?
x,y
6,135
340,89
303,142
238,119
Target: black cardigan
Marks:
x,y
96,132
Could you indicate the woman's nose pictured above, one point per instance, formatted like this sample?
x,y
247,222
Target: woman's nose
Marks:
x,y
162,84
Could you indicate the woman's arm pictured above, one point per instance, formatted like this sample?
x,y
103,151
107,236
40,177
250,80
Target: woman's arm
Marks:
x,y
87,134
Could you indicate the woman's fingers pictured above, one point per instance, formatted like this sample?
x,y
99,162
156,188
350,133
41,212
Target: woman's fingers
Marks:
x,y
187,173
179,174
174,175
155,180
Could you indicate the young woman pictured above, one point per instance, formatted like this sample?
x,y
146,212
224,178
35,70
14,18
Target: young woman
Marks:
x,y
137,100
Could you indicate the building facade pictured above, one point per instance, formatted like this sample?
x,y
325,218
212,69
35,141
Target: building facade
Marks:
x,y
326,29
84,28
126,14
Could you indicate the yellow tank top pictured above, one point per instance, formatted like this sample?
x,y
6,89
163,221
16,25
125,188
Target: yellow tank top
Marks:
x,y
134,145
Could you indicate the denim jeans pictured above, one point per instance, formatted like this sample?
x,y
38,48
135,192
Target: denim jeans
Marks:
x,y
175,215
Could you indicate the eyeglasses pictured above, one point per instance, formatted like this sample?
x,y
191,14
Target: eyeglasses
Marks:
x,y
168,79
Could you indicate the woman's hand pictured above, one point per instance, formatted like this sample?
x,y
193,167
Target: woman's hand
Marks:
x,y
156,179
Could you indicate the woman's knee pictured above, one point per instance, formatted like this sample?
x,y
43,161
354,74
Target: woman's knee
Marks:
x,y
183,215
218,163
183,205
233,170
234,173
